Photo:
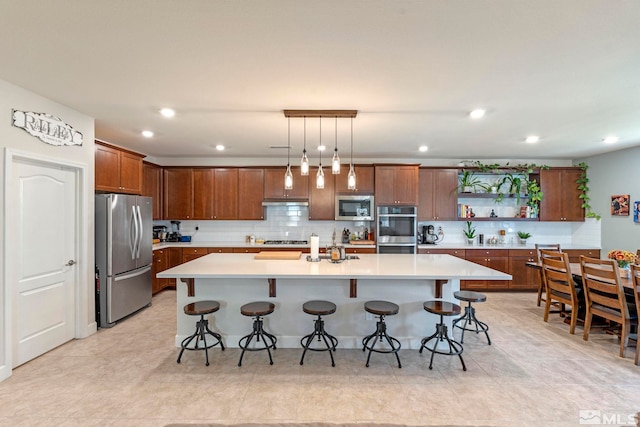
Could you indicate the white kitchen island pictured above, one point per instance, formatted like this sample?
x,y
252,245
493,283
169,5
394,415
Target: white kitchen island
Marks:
x,y
407,280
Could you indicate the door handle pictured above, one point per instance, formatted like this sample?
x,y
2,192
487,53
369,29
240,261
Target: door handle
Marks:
x,y
70,263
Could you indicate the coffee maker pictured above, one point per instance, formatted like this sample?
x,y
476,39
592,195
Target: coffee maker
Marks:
x,y
174,235
160,232
429,236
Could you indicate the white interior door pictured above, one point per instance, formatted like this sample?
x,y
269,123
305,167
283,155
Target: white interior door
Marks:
x,y
43,205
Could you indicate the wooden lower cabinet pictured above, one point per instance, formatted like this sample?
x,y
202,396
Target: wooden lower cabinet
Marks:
x,y
160,263
358,250
497,259
189,254
524,278
574,254
460,253
164,259
222,250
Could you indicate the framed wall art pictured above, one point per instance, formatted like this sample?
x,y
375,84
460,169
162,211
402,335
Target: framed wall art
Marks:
x,y
620,204
636,211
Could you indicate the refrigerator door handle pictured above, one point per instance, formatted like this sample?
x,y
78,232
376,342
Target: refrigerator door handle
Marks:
x,y
140,228
133,239
131,275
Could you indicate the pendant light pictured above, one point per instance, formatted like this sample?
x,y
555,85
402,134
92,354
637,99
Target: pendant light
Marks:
x,y
351,178
304,162
335,162
288,176
320,174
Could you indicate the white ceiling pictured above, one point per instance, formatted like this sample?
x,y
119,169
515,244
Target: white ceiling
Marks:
x,y
568,71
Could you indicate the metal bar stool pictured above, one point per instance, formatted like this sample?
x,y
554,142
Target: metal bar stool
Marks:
x,y
201,308
381,309
257,310
442,308
469,316
319,308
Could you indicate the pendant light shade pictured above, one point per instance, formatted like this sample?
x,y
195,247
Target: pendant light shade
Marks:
x,y
351,178
288,176
335,162
320,174
304,162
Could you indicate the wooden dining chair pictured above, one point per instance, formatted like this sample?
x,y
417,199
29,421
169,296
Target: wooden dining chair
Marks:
x,y
635,275
550,247
559,284
604,297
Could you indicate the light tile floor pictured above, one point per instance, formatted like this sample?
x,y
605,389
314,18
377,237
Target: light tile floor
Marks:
x,y
534,374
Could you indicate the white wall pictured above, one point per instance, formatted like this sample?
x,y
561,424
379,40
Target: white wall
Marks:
x,y
612,173
13,97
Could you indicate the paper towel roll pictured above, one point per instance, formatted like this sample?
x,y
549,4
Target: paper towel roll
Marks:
x,y
315,247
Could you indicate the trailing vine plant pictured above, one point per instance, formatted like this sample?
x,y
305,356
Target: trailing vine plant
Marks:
x,y
583,186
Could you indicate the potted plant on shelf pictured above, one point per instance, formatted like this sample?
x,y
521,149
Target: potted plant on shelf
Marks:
x,y
468,181
470,232
523,236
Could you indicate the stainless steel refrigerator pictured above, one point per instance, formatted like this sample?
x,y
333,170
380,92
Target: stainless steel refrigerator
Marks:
x,y
123,250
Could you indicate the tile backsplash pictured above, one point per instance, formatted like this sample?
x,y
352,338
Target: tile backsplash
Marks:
x,y
292,223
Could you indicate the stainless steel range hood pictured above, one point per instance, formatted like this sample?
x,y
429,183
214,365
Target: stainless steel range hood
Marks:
x,y
285,203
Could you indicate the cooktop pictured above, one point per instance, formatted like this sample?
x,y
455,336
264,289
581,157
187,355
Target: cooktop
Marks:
x,y
286,242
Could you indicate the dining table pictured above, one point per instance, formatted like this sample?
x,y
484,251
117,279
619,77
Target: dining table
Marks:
x,y
576,272
627,283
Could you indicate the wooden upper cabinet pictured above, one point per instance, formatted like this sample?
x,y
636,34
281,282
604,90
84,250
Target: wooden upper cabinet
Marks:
x,y
561,197
178,193
250,193
117,170
437,198
225,194
152,187
396,185
364,180
322,201
203,194
274,184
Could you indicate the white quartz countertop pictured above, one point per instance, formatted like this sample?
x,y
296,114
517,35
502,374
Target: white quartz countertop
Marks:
x,y
368,266
214,244
244,245
514,246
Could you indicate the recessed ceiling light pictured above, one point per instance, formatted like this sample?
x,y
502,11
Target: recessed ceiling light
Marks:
x,y
423,148
147,133
321,147
220,147
477,114
532,139
610,139
168,112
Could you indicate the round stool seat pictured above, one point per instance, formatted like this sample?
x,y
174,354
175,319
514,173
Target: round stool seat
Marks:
x,y
201,307
319,307
470,296
442,308
384,308
258,308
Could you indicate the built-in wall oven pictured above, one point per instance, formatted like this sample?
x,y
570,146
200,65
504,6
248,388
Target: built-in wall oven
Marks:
x,y
397,229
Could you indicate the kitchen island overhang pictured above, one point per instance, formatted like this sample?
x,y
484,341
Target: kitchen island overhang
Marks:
x,y
407,280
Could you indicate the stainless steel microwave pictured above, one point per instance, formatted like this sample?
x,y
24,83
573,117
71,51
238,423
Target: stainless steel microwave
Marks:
x,y
355,208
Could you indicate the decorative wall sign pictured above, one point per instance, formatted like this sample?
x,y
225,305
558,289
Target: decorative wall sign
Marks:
x,y
636,211
46,128
620,204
